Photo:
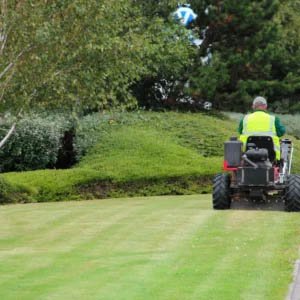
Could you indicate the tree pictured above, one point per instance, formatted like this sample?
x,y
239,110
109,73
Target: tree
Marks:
x,y
89,55
84,55
241,35
255,47
172,60
12,51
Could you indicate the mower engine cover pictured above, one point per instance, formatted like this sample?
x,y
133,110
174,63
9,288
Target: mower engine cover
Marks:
x,y
257,155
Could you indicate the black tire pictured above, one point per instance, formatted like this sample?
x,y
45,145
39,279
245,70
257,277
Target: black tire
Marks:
x,y
221,191
292,194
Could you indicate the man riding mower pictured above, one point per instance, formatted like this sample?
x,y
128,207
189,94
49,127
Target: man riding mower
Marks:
x,y
258,165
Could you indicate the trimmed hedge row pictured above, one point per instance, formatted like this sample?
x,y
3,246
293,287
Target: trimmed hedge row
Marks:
x,y
37,143
49,141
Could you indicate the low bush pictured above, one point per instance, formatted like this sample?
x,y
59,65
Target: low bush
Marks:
x,y
91,128
36,143
87,133
13,193
5,191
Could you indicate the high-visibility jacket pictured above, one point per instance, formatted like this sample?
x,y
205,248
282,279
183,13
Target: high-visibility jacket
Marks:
x,y
260,123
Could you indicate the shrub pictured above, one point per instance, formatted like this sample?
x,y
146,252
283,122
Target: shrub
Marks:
x,y
4,191
35,144
12,193
87,134
90,128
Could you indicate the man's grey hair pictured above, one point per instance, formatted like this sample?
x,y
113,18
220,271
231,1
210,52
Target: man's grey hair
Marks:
x,y
258,101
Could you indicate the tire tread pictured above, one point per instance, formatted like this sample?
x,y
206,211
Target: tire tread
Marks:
x,y
292,194
221,192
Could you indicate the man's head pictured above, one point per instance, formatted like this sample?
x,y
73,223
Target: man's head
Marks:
x,y
260,103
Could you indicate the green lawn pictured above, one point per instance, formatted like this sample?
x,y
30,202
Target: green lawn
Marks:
x,y
145,248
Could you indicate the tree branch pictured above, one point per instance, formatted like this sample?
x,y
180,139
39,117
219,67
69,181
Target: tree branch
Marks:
x,y
12,64
4,32
11,130
5,84
4,39
8,135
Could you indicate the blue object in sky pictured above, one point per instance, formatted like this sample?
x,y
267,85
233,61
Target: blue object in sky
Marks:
x,y
185,15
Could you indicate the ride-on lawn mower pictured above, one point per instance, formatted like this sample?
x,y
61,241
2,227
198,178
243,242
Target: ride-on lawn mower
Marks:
x,y
256,175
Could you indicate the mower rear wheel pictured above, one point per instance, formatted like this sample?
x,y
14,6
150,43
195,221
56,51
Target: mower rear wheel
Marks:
x,y
221,191
292,194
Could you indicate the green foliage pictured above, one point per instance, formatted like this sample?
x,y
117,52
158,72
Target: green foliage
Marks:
x,y
170,186
153,8
241,36
255,47
209,78
92,127
12,193
85,55
35,143
255,50
96,55
145,152
5,191
87,134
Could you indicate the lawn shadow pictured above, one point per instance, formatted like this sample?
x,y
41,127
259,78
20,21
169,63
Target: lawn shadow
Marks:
x,y
264,206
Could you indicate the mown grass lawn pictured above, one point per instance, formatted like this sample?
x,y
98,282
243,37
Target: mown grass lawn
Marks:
x,y
145,248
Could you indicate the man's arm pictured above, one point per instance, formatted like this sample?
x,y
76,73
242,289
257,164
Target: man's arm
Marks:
x,y
240,129
280,129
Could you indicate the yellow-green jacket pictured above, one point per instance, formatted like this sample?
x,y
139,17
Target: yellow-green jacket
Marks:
x,y
261,123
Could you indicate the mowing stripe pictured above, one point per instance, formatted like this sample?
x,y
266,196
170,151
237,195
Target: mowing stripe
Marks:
x,y
145,248
147,264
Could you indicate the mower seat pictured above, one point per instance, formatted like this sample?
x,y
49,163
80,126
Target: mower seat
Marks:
x,y
262,142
